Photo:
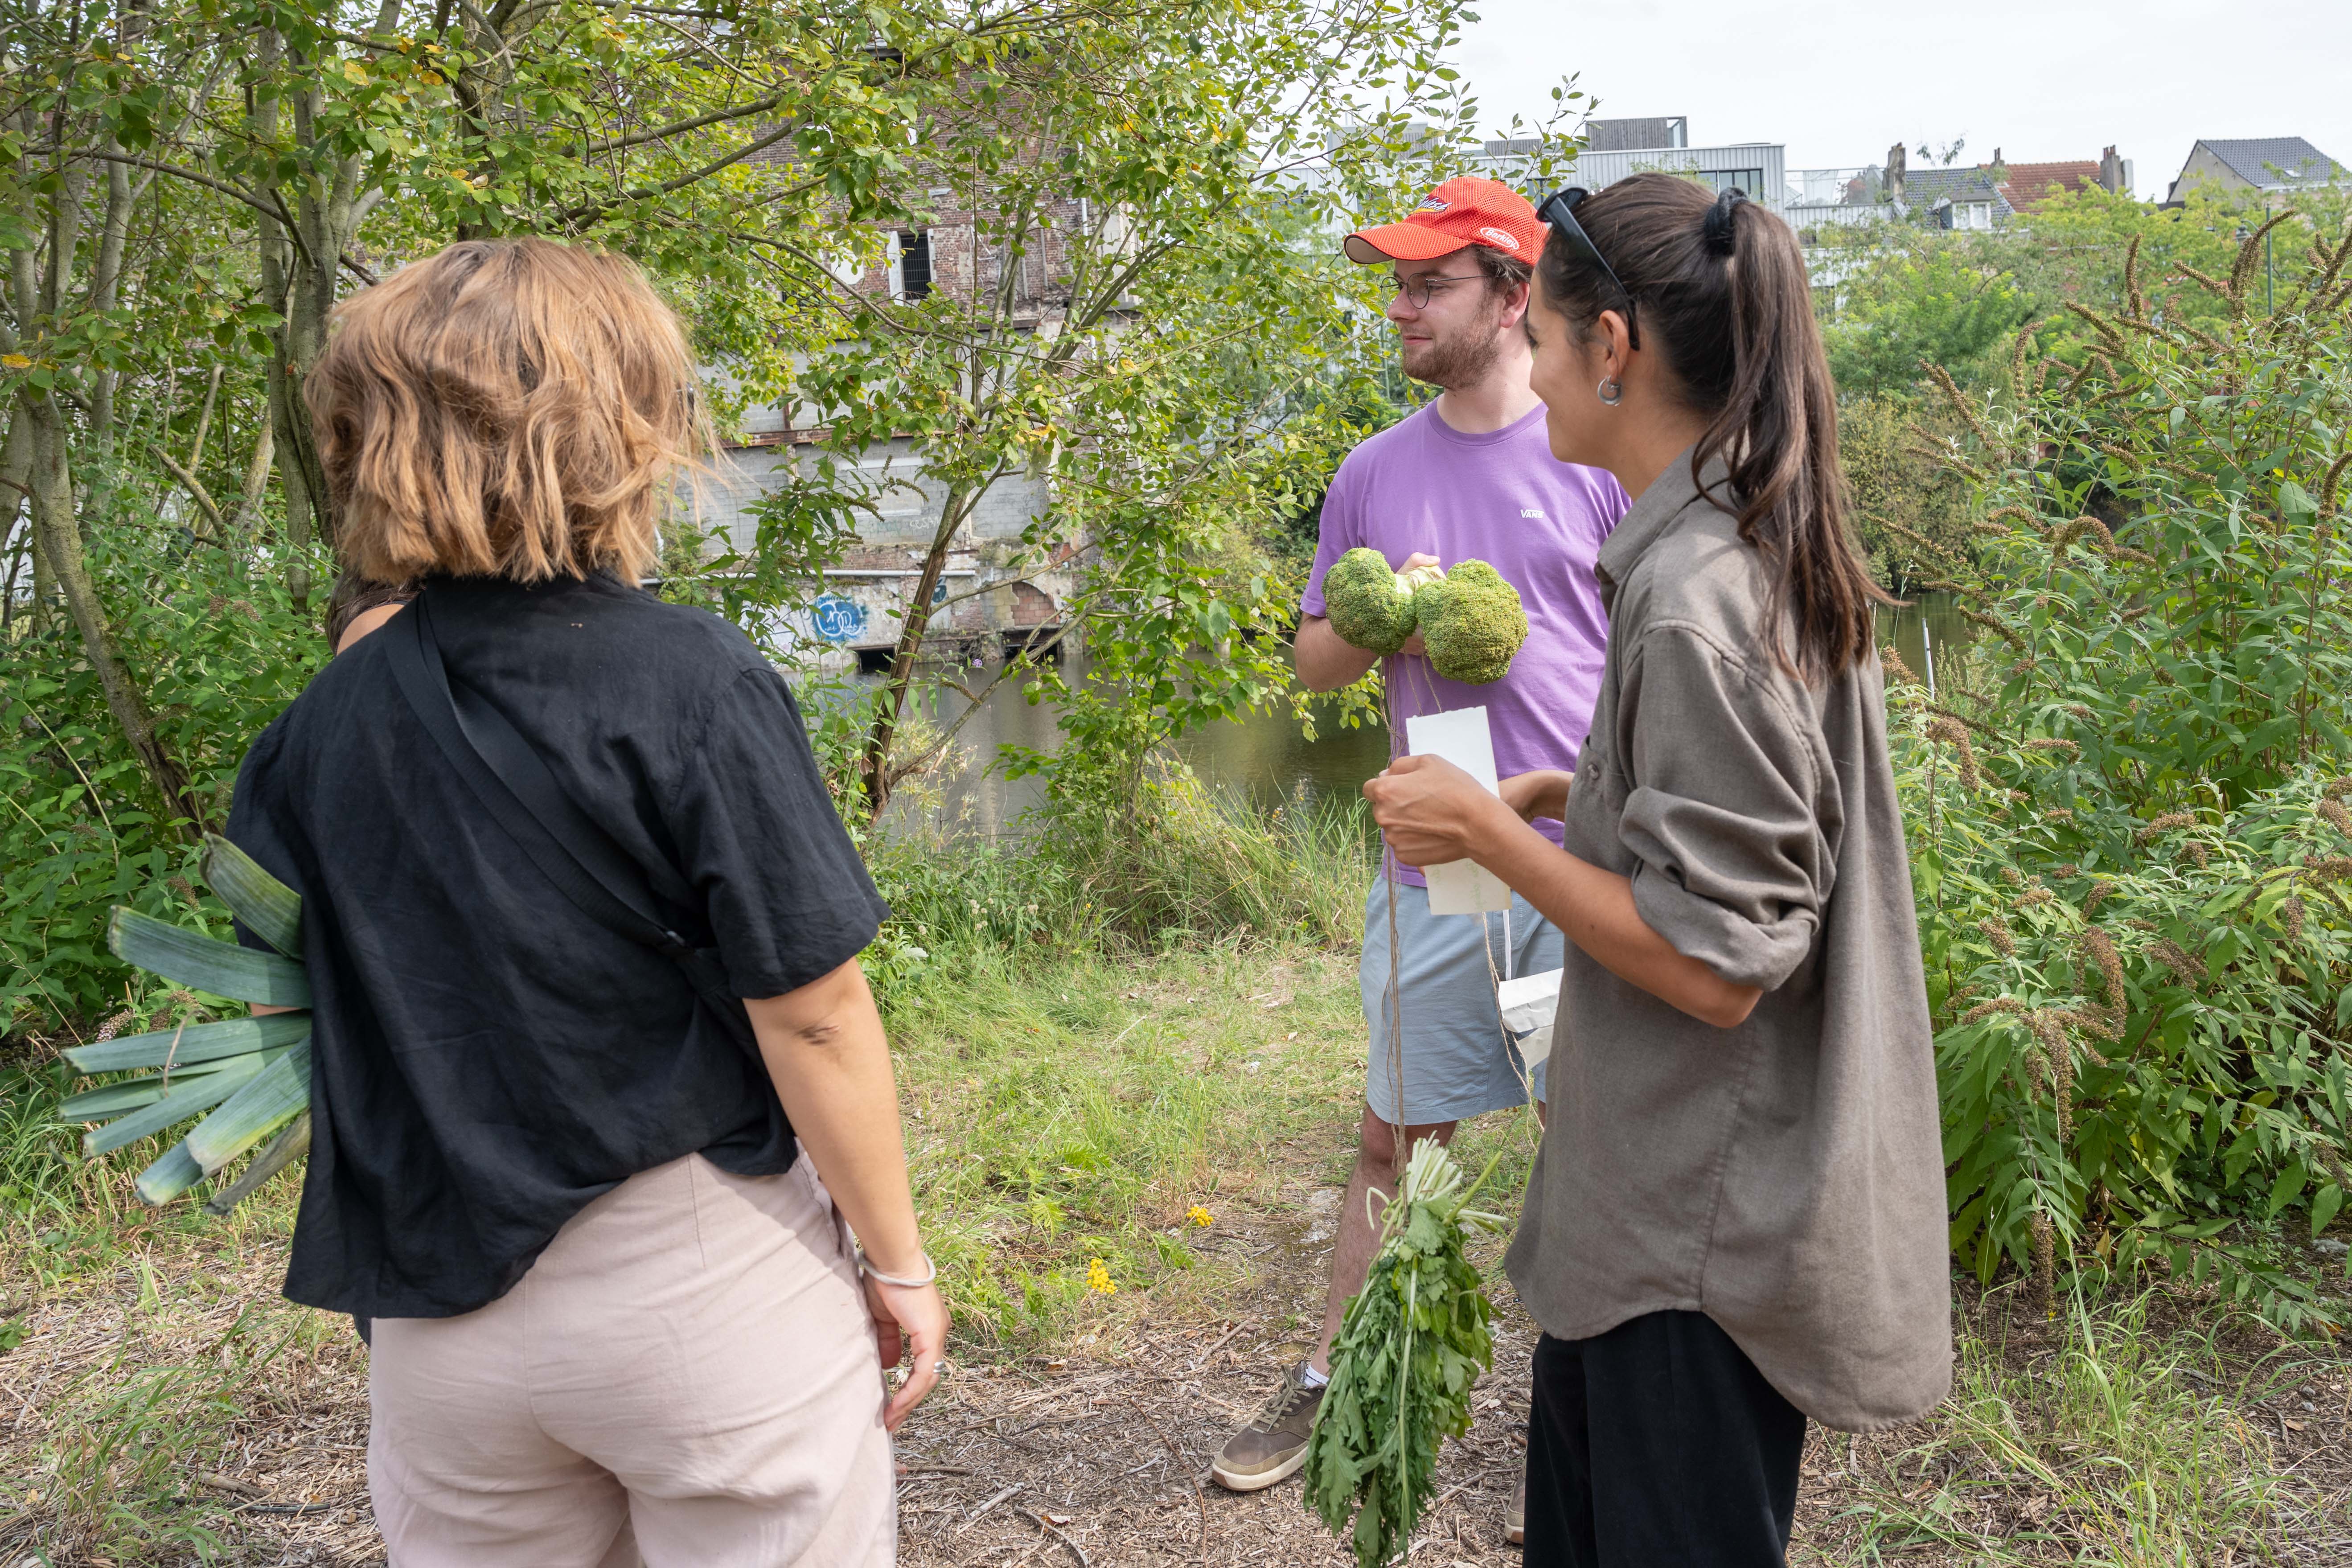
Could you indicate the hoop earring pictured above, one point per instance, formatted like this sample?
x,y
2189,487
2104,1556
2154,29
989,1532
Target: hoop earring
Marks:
x,y
1611,391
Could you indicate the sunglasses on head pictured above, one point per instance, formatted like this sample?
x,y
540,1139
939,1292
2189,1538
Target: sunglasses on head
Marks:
x,y
1559,210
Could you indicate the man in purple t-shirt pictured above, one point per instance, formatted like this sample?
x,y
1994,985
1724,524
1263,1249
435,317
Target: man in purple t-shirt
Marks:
x,y
1470,476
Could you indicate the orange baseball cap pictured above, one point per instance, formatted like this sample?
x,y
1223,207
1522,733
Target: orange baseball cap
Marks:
x,y
1458,213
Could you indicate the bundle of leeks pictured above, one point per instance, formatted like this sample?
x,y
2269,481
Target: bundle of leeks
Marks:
x,y
252,1074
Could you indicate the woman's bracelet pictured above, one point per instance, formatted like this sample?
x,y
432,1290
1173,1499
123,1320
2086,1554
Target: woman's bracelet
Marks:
x,y
866,1266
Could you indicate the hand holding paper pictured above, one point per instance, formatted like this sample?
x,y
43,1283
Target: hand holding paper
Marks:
x,y
1429,806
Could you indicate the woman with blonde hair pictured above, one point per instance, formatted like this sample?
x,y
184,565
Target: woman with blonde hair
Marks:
x,y
557,1165
1735,1221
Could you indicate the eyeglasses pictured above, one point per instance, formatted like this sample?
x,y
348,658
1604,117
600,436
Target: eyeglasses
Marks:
x,y
1419,290
1559,209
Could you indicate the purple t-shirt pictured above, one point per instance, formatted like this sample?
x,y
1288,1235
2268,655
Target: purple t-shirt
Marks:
x,y
1501,498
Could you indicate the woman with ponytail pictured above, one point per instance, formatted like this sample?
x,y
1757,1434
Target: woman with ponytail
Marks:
x,y
1737,1220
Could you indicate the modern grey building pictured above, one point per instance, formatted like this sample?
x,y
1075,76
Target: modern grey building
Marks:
x,y
1614,149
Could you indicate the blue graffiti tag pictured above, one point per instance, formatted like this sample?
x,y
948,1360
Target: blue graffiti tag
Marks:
x,y
836,619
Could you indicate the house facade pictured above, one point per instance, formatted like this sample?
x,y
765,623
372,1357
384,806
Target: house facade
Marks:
x,y
988,600
2257,163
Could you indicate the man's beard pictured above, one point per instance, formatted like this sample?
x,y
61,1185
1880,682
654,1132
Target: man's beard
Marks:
x,y
1462,361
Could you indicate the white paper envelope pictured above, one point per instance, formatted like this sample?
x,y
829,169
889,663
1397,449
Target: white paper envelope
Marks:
x,y
1529,1004
1460,737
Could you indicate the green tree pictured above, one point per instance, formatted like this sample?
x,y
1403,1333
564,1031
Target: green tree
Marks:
x,y
1177,176
1934,305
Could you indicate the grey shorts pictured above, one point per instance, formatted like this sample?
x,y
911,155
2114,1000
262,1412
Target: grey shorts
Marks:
x,y
1455,1062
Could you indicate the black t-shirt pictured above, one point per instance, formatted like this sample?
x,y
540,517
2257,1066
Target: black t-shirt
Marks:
x,y
485,1058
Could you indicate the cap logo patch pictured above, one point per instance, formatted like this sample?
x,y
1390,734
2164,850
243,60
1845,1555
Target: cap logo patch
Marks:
x,y
1501,238
1431,204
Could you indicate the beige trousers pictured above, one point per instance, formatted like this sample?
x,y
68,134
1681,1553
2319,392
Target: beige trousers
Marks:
x,y
686,1376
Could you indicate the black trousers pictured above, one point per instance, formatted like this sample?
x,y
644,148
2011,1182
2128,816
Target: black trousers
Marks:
x,y
1658,1445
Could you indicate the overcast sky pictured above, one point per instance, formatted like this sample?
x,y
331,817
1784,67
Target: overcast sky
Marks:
x,y
1838,82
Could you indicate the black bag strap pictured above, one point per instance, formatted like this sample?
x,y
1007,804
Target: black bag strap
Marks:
x,y
523,795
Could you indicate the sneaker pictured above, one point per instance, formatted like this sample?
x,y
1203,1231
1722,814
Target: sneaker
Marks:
x,y
1273,1444
1515,1518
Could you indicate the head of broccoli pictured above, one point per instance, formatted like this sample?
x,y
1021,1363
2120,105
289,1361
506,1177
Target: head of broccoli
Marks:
x,y
1472,622
1370,605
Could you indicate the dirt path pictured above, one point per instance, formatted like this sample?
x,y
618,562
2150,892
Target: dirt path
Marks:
x,y
1094,1457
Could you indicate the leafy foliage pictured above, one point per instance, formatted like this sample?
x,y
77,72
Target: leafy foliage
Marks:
x,y
2129,848
81,828
1150,323
1910,510
1935,304
1413,1341
1896,297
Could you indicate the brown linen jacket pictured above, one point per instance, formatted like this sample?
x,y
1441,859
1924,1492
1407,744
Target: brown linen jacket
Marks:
x,y
1786,1176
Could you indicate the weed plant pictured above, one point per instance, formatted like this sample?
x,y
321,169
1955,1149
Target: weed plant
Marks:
x,y
2115,1444
2130,836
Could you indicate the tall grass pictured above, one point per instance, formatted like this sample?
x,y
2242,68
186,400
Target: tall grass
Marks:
x,y
2116,1446
1178,865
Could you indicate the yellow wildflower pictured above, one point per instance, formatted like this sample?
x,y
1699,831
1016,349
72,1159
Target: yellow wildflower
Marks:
x,y
1199,1216
1098,1278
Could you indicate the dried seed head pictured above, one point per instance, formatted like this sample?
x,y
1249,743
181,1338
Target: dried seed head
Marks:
x,y
2165,823
2032,896
2010,874
2045,1265
2082,711
2338,817
2066,870
1998,934
2198,853
2098,1023
2293,913
1896,670
2170,955
2096,896
2051,743
1987,1009
1953,733
2337,789
2106,963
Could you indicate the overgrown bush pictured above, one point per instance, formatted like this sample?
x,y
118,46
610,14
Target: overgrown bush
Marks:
x,y
1910,510
219,650
2130,839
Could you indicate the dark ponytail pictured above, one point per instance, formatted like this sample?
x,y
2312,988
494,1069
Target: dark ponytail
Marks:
x,y
1721,291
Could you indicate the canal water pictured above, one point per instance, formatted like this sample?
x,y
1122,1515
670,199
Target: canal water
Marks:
x,y
1265,757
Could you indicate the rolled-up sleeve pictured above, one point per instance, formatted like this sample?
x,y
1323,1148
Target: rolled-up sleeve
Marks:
x,y
1722,812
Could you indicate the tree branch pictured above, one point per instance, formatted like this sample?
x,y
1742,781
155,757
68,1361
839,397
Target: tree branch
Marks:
x,y
223,186
679,127
192,485
591,212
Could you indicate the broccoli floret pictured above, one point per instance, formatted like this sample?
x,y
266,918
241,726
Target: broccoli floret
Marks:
x,y
1472,622
1370,605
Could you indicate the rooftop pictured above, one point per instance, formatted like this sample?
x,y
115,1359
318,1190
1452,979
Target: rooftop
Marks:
x,y
2271,161
2028,185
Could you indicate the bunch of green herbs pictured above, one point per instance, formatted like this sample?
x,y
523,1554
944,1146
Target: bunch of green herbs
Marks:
x,y
1413,1342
